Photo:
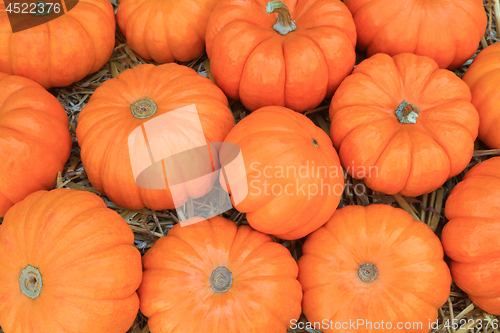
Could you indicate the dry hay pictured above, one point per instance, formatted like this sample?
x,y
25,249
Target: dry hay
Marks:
x,y
149,225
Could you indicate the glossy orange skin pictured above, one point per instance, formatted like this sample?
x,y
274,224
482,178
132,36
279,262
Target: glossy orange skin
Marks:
x,y
34,139
62,51
413,280
252,62
89,266
470,238
165,30
483,78
106,121
283,169
448,31
410,159
176,294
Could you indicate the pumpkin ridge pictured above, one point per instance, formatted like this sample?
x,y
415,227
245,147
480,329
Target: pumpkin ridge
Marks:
x,y
396,130
85,32
55,155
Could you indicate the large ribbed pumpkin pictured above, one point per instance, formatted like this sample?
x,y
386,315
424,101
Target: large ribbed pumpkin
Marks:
x,y
68,265
165,30
62,51
133,100
290,53
215,277
483,78
292,171
34,139
446,31
402,124
471,237
372,269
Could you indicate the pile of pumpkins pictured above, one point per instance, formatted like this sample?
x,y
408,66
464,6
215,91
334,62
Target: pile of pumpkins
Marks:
x,y
67,262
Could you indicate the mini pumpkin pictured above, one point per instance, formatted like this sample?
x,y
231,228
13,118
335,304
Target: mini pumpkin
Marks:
x,y
483,78
63,50
402,124
165,31
68,265
470,238
34,139
288,53
375,267
446,31
291,170
216,277
138,100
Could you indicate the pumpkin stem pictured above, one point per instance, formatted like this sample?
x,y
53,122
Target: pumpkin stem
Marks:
x,y
30,281
315,143
42,9
367,272
284,24
143,108
407,113
221,280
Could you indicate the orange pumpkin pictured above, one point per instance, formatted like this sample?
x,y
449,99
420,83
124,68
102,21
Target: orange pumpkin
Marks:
x,y
141,97
483,78
375,267
403,124
68,265
292,171
34,139
470,238
215,277
62,51
292,53
446,31
165,31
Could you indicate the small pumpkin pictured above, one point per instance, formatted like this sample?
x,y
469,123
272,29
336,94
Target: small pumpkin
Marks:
x,y
402,124
470,238
292,172
62,51
447,31
138,99
68,265
216,277
483,78
375,267
34,139
291,53
165,31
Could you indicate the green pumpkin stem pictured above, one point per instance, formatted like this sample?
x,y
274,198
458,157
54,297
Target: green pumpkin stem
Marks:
x,y
221,280
143,108
367,272
407,113
30,282
284,24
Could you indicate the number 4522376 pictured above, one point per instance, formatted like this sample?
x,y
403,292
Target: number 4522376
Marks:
x,y
40,8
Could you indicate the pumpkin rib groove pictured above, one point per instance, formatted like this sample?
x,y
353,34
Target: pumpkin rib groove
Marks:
x,y
381,88
382,26
37,142
194,250
396,131
246,61
362,124
85,32
467,13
